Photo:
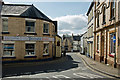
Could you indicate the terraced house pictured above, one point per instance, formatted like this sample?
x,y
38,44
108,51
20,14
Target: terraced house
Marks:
x,y
90,36
106,32
27,34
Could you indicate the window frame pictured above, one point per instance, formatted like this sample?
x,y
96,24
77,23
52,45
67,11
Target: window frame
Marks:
x,y
104,15
30,26
29,49
45,54
44,28
112,9
98,21
112,44
13,50
98,43
3,24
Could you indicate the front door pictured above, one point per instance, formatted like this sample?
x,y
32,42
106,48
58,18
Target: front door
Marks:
x,y
102,52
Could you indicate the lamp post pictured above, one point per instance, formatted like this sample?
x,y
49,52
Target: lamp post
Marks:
x,y
115,36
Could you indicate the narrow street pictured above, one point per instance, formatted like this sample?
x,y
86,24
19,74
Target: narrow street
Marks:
x,y
68,67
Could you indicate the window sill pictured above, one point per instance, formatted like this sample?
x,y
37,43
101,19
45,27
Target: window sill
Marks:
x,y
46,34
31,33
5,32
30,56
97,51
8,57
103,23
111,55
113,18
45,54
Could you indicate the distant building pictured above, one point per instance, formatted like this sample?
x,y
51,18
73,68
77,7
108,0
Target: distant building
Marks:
x,y
76,43
84,43
67,43
27,33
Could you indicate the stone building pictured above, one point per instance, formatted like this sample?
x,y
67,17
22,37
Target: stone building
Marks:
x,y
67,43
76,43
90,36
84,43
27,33
107,22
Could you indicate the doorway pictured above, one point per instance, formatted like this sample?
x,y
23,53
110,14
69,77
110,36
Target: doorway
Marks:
x,y
102,49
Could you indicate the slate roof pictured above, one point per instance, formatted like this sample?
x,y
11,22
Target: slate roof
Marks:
x,y
76,38
25,11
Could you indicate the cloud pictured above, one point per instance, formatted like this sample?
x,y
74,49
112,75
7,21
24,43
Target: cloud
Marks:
x,y
76,24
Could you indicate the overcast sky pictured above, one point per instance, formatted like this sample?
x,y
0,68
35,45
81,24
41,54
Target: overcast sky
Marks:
x,y
71,16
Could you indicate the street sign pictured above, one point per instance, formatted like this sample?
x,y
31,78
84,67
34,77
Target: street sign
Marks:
x,y
114,39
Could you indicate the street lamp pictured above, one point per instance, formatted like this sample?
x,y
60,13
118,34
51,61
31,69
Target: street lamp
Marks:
x,y
115,36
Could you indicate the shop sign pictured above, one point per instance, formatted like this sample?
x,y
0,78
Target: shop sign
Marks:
x,y
10,38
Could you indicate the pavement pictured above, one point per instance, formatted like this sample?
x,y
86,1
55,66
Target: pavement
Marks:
x,y
100,67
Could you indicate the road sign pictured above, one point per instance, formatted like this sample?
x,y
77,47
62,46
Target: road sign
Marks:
x,y
114,39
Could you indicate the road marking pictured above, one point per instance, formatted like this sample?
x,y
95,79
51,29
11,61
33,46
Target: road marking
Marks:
x,y
62,76
87,75
79,75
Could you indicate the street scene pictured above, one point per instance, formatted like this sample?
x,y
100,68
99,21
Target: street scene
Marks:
x,y
67,67
57,40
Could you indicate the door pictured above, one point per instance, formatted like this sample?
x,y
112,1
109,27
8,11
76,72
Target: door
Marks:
x,y
102,52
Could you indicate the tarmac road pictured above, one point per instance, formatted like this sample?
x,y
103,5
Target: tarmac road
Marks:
x,y
70,67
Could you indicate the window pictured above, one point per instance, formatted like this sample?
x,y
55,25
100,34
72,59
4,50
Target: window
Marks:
x,y
98,2
8,49
97,43
98,20
30,49
30,26
46,28
113,9
5,24
104,17
112,44
46,49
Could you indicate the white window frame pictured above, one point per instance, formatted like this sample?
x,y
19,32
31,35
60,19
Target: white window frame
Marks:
x,y
44,54
2,24
30,20
48,27
13,54
26,50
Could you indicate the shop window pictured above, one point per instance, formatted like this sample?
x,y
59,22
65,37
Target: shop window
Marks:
x,y
30,26
112,12
46,28
5,25
30,49
97,43
8,49
112,44
46,49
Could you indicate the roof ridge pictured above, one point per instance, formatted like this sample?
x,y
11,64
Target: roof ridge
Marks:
x,y
19,4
